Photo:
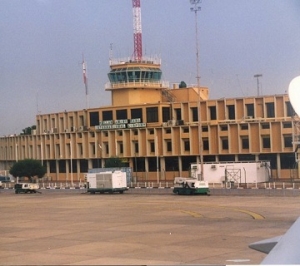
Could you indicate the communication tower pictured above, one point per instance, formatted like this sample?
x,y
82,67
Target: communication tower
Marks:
x,y
137,30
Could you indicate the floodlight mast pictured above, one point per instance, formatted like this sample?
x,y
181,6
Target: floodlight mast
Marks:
x,y
195,9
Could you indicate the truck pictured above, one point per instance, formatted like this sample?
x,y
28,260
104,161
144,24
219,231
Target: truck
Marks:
x,y
26,188
190,186
110,182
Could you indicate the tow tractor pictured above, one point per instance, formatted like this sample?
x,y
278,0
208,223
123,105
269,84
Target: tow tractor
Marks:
x,y
190,186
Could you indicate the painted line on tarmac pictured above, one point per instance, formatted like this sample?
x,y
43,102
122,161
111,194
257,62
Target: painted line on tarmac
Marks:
x,y
254,215
194,214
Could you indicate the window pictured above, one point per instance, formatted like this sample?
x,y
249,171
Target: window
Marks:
x,y
224,143
288,141
106,148
287,160
121,149
245,143
289,109
185,130
151,131
152,164
204,129
169,145
265,125
186,144
168,130
136,113
80,149
194,114
121,114
244,126
270,109
224,127
287,125
178,114
166,114
231,112
171,164
94,119
107,115
250,110
205,144
136,147
120,133
152,114
266,142
152,146
213,112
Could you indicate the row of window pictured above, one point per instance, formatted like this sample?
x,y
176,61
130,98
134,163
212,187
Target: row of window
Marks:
x,y
287,161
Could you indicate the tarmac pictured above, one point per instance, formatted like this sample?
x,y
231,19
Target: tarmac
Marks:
x,y
140,227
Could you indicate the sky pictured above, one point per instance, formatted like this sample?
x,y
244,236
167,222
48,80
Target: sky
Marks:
x,y
43,41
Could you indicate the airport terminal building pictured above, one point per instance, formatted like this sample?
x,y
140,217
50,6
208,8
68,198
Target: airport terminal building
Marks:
x,y
159,129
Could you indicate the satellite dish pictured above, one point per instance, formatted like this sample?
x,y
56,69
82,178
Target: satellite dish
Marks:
x,y
294,94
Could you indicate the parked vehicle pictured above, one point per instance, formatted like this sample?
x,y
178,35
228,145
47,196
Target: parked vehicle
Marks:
x,y
5,179
113,181
190,186
26,188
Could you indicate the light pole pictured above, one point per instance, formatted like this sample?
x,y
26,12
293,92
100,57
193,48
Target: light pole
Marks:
x,y
195,9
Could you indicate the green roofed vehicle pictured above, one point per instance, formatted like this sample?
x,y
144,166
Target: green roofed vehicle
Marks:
x,y
190,186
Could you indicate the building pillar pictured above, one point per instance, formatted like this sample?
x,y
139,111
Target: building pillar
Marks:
x,y
180,165
162,169
278,165
57,170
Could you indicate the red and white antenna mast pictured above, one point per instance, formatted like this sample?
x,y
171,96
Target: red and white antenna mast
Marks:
x,y
137,30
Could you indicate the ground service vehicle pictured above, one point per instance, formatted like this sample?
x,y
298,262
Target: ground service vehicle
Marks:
x,y
190,186
26,188
112,181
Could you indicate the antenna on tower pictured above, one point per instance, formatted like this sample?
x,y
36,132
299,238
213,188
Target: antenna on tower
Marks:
x,y
110,52
137,30
85,82
195,9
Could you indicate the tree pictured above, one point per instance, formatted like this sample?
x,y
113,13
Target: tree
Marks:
x,y
28,130
28,168
182,84
113,162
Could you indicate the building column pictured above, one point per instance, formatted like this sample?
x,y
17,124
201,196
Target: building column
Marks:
x,y
180,165
162,169
278,165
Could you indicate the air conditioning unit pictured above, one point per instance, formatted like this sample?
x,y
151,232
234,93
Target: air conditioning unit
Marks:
x,y
213,166
194,167
54,130
248,117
